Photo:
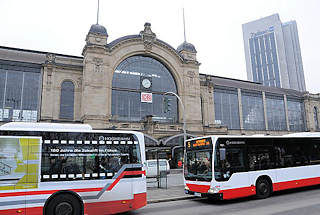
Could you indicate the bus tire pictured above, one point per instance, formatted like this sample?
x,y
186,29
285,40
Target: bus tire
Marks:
x,y
263,188
63,204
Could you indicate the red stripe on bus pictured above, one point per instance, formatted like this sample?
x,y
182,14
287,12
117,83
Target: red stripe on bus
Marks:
x,y
135,172
296,183
238,192
43,192
112,207
122,175
249,191
23,211
138,201
116,181
198,188
34,211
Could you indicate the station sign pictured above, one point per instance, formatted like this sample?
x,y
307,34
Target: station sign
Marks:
x,y
146,97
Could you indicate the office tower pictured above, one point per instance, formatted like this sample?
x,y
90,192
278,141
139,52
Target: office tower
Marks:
x,y
272,52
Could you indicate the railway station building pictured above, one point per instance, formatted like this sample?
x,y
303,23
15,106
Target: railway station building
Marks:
x,y
122,84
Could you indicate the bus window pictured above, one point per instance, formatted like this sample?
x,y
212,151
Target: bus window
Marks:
x,y
84,160
233,162
112,157
292,152
315,151
260,158
235,158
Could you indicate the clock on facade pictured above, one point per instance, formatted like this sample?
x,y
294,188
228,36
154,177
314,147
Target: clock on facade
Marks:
x,y
146,83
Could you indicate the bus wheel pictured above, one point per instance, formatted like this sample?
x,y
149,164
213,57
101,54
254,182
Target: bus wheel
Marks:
x,y
263,188
63,204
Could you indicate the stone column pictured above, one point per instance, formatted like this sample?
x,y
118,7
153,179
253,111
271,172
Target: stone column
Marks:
x,y
265,110
286,111
96,73
47,98
240,109
309,114
211,102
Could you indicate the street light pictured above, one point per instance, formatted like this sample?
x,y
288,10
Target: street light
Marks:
x,y
183,114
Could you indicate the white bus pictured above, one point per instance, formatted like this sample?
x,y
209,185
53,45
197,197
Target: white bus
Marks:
x,y
228,167
69,169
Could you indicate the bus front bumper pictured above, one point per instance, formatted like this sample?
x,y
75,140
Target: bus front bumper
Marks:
x,y
218,196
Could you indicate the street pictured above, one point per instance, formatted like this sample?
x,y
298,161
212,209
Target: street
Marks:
x,y
304,201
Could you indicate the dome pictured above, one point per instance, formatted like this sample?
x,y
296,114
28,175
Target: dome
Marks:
x,y
98,29
186,47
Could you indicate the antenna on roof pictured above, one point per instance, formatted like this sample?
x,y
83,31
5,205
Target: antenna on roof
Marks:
x,y
184,26
98,12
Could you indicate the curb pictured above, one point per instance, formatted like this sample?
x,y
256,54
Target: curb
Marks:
x,y
171,199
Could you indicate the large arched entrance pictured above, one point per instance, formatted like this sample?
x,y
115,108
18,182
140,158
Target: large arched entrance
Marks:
x,y
138,87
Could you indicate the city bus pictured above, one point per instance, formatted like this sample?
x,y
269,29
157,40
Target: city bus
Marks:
x,y
70,169
228,167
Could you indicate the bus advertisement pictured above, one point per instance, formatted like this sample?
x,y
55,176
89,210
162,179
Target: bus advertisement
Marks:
x,y
61,169
228,167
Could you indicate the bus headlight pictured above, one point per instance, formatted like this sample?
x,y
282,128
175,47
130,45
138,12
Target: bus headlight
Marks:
x,y
215,189
186,187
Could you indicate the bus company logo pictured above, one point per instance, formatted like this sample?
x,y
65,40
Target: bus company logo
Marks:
x,y
103,138
146,97
234,142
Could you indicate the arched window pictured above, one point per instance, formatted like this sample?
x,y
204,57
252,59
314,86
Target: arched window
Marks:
x,y
67,100
315,115
138,87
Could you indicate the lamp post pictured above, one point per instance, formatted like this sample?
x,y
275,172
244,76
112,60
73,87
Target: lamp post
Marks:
x,y
183,115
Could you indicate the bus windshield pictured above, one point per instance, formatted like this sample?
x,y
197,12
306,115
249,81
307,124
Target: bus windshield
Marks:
x,y
198,160
199,165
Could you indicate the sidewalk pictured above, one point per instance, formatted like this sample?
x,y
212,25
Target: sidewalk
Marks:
x,y
174,191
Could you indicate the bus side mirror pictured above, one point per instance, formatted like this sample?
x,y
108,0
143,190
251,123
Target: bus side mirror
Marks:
x,y
222,154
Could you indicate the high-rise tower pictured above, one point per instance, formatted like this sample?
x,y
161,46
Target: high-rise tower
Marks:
x,y
272,52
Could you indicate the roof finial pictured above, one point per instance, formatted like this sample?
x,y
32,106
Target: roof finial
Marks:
x,y
98,12
184,26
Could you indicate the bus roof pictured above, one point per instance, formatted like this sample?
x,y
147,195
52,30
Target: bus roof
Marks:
x,y
22,126
58,127
298,134
303,134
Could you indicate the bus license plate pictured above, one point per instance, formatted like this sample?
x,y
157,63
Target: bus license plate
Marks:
x,y
197,194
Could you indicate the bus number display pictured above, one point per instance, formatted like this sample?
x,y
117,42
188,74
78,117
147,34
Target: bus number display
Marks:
x,y
201,143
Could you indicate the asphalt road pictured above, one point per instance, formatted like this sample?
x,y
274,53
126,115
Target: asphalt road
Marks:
x,y
305,201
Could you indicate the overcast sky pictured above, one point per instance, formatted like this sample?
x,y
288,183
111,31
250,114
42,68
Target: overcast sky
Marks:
x,y
214,27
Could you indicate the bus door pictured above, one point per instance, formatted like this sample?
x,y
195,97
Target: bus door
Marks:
x,y
19,169
230,167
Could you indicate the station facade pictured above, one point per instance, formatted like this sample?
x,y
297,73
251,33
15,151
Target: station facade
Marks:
x,y
122,85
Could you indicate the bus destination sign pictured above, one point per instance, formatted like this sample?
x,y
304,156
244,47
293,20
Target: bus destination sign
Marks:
x,y
200,143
